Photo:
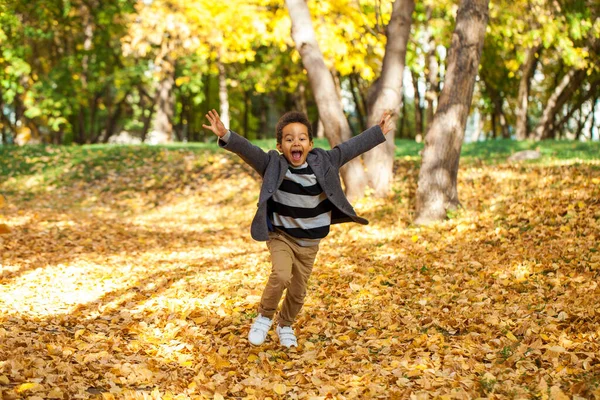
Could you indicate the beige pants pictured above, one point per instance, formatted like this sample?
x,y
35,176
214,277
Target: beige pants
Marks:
x,y
292,266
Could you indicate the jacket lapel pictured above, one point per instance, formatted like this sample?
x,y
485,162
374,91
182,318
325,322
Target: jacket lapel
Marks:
x,y
315,164
283,167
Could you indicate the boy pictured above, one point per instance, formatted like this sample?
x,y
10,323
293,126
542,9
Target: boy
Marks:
x,y
300,197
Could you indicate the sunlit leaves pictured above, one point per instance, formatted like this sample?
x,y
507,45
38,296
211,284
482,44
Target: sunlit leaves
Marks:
x,y
130,272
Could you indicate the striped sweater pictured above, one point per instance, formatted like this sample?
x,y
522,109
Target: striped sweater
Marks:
x,y
300,208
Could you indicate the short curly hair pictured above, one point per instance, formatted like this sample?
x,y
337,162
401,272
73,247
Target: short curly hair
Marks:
x,y
289,118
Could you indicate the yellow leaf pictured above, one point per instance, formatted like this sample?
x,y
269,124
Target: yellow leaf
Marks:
x,y
557,349
223,351
4,380
371,332
343,338
557,394
32,386
4,229
218,396
313,329
2,201
55,393
252,357
279,388
512,337
415,238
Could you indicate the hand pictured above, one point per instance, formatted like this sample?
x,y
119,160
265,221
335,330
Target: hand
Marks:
x,y
215,124
386,123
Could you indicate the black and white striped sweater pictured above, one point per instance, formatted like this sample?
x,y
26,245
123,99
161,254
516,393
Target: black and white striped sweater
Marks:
x,y
300,208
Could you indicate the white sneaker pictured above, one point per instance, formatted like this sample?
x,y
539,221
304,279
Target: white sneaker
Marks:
x,y
259,329
286,336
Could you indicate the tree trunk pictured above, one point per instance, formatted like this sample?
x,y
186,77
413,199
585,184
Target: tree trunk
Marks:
x,y
418,108
499,113
437,188
88,31
594,106
563,91
320,129
223,95
111,123
581,123
164,112
330,109
263,118
380,160
80,134
527,71
594,86
180,125
300,98
360,112
403,118
246,113
148,118
432,74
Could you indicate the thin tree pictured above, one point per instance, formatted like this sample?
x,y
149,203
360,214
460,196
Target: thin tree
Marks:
x,y
331,113
527,72
388,96
437,188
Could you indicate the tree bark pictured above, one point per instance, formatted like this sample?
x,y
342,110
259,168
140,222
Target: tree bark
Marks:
x,y
329,106
437,187
527,72
246,113
380,160
432,74
147,118
418,108
111,123
563,91
164,111
499,113
300,98
582,122
401,134
577,106
223,95
359,107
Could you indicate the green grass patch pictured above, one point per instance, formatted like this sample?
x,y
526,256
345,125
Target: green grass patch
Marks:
x,y
61,165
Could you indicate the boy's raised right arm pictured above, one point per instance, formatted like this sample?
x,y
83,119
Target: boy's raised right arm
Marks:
x,y
251,154
362,143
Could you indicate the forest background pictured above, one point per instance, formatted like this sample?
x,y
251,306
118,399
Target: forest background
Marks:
x,y
88,71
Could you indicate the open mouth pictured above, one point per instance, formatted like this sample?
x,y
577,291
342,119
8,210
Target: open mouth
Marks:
x,y
296,155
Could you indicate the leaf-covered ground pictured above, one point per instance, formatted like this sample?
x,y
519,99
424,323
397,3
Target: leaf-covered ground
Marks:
x,y
131,273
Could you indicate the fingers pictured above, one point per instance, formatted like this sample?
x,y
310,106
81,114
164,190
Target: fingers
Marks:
x,y
212,116
386,121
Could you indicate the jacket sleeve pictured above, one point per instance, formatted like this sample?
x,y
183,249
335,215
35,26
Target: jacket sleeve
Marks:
x,y
253,155
355,146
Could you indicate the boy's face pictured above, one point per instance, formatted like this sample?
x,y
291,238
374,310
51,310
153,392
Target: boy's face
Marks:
x,y
295,143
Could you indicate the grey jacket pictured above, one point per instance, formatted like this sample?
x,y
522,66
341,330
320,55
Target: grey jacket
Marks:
x,y
326,164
